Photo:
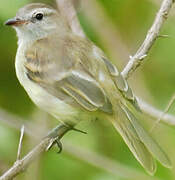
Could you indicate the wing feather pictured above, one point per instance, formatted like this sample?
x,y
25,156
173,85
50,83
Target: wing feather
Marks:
x,y
58,72
121,83
83,102
132,139
65,77
148,141
87,89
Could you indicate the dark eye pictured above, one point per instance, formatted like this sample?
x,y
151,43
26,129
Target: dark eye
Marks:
x,y
39,16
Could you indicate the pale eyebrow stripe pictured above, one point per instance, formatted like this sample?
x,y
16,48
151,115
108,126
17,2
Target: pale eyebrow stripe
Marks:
x,y
45,11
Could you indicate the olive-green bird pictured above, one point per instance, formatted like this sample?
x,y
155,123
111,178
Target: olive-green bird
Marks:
x,y
71,78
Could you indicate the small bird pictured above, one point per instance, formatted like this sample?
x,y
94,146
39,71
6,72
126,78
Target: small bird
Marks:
x,y
71,78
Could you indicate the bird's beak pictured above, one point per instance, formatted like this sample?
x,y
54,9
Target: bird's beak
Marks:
x,y
14,22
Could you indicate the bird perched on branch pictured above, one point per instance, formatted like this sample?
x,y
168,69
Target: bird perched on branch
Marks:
x,y
71,78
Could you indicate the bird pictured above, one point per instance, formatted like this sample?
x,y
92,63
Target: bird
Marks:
x,y
72,79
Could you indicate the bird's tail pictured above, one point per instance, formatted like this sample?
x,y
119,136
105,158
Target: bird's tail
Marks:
x,y
141,144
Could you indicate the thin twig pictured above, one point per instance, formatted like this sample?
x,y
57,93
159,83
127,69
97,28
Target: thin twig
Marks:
x,y
94,159
68,8
136,60
20,143
20,165
164,112
156,113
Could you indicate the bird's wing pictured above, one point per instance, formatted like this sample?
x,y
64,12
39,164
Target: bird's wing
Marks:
x,y
85,90
138,140
148,141
57,72
69,72
132,139
121,83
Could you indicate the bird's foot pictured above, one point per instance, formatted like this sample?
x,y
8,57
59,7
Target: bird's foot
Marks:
x,y
57,142
57,133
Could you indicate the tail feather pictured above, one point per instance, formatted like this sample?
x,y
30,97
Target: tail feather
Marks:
x,y
152,145
139,142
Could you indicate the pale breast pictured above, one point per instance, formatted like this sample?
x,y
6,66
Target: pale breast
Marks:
x,y
39,96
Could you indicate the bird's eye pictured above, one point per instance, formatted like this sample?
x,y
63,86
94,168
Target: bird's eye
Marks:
x,y
39,16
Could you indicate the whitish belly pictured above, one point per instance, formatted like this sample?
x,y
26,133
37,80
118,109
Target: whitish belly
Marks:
x,y
43,99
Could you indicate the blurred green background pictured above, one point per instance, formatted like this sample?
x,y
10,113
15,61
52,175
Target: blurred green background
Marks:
x,y
118,27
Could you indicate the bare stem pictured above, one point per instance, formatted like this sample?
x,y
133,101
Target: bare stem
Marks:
x,y
20,143
69,12
156,113
94,159
20,165
136,60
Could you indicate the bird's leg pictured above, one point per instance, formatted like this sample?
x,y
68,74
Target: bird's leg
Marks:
x,y
57,133
57,142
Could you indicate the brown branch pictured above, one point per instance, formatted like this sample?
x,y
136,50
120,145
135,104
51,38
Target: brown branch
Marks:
x,y
136,60
94,159
20,165
156,113
68,10
20,143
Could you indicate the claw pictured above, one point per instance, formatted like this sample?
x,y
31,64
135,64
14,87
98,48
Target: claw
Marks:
x,y
61,130
57,142
55,135
59,145
74,129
